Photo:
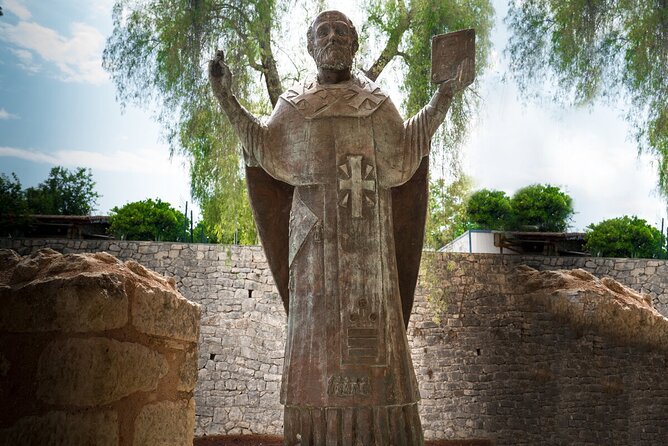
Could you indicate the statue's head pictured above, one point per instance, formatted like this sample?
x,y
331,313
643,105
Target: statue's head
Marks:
x,y
332,40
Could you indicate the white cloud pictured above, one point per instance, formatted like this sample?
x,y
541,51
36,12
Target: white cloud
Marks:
x,y
154,161
123,176
77,57
28,155
26,61
102,7
5,115
17,8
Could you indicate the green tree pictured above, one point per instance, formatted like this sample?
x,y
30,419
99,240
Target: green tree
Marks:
x,y
599,49
537,207
489,209
12,196
158,50
447,217
625,237
541,208
64,193
13,205
149,220
202,233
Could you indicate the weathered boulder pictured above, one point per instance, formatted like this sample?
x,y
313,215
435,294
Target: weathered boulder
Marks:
x,y
94,351
604,305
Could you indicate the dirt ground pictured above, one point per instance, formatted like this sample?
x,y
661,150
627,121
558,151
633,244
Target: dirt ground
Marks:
x,y
268,440
239,440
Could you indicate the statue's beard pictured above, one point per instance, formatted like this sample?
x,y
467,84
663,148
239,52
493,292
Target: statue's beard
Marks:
x,y
334,57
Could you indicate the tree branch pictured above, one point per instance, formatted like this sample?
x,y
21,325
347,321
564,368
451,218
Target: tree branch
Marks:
x,y
254,65
404,56
392,46
270,70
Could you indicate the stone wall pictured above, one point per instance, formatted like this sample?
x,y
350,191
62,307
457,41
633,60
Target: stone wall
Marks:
x,y
94,351
483,341
191,265
548,367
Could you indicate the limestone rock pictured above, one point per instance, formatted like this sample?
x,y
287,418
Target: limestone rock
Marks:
x,y
188,372
85,333
604,304
168,423
161,312
77,304
89,372
49,291
64,429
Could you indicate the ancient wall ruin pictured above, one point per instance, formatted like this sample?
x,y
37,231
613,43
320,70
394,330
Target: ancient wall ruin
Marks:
x,y
94,351
568,362
495,365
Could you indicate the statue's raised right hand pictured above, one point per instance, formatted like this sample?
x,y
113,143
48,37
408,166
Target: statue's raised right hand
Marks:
x,y
220,72
464,77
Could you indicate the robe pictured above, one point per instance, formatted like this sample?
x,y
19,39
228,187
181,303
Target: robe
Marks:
x,y
348,375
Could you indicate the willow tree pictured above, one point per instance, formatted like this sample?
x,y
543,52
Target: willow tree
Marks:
x,y
614,50
158,50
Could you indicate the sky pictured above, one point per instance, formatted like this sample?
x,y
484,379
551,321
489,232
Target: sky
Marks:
x,y
58,107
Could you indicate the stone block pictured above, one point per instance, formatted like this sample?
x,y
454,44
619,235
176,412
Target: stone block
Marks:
x,y
162,312
188,371
64,429
92,302
167,423
89,372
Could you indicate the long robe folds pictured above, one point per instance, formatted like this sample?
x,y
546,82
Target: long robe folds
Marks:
x,y
347,363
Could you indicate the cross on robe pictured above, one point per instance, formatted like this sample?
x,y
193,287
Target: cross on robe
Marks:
x,y
356,184
366,95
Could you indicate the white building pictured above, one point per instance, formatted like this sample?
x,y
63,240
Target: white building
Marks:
x,y
484,241
474,240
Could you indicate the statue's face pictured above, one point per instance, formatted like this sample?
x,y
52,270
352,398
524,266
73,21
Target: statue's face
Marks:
x,y
333,42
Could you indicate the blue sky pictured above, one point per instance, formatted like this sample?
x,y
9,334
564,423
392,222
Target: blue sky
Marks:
x,y
58,107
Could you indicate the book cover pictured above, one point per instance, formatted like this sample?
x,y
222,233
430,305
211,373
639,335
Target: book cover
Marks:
x,y
448,51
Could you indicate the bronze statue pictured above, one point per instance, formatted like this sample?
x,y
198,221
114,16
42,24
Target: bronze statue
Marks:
x,y
340,211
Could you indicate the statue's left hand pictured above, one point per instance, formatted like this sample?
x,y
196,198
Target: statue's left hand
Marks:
x,y
219,72
464,78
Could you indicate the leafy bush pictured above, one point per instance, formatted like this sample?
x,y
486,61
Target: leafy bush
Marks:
x,y
625,237
148,220
542,208
534,208
489,209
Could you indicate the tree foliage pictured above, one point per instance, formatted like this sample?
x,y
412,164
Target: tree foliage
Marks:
x,y
489,209
64,193
407,29
533,208
625,237
13,205
447,217
149,219
599,49
157,54
542,208
12,196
